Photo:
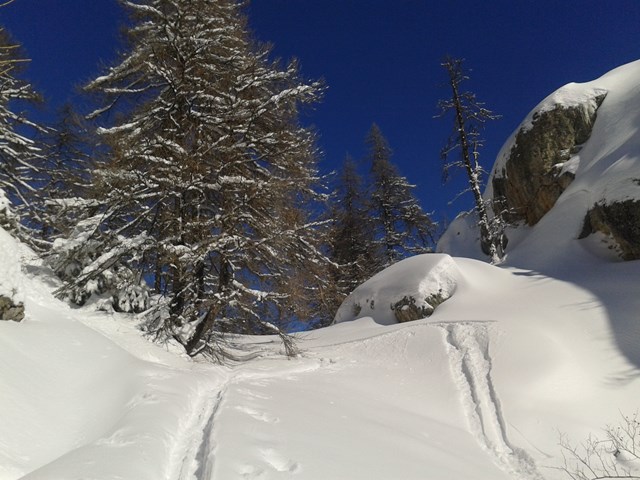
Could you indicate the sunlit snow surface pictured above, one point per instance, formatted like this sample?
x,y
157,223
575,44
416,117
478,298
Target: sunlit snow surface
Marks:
x,y
419,279
547,344
480,390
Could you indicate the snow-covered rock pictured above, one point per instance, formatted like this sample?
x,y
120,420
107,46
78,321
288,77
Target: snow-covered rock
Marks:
x,y
11,287
603,200
533,170
409,290
10,310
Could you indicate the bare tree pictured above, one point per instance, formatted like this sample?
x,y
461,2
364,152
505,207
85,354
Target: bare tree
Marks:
x,y
470,116
616,455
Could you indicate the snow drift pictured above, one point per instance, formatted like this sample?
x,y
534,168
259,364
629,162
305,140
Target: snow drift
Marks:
x,y
83,394
409,290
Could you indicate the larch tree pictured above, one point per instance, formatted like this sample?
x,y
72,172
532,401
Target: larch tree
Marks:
x,y
207,171
64,176
352,240
464,145
18,152
401,227
69,212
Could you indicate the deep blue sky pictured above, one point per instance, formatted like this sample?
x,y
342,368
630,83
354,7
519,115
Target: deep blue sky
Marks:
x,y
380,60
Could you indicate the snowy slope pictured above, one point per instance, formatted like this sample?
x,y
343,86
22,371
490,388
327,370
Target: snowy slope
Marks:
x,y
75,403
480,390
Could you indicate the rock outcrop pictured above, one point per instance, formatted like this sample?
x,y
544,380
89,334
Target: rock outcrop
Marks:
x,y
541,162
407,310
619,221
10,310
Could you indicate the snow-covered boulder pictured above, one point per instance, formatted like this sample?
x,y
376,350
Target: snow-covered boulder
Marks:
x,y
409,290
619,222
539,163
11,294
11,310
582,190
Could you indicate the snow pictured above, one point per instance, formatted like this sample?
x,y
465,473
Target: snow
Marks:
x,y
481,389
545,346
606,170
418,278
5,204
10,278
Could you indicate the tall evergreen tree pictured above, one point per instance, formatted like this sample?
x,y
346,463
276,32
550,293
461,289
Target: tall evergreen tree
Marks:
x,y
18,153
376,220
352,241
64,176
402,227
207,171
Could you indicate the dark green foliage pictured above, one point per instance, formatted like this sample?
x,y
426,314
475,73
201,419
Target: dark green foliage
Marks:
x,y
377,220
401,227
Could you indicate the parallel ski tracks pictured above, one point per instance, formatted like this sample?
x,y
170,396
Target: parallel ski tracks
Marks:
x,y
471,365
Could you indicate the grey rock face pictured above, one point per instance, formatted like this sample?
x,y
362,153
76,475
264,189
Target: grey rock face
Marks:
x,y
406,309
619,220
11,311
532,179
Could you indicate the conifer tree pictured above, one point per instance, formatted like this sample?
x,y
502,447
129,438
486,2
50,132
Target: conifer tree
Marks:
x,y
64,176
70,221
208,168
402,228
352,241
470,115
376,221
18,153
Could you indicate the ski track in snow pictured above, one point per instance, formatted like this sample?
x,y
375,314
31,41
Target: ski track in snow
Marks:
x,y
195,455
471,365
198,454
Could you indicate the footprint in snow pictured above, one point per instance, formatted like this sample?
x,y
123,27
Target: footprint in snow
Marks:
x,y
257,415
251,394
279,462
251,472
144,398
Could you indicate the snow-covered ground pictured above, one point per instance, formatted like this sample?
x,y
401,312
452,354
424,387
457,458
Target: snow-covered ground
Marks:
x,y
543,347
483,389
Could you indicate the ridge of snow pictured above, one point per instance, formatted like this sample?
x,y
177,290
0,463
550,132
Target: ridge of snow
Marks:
x,y
418,278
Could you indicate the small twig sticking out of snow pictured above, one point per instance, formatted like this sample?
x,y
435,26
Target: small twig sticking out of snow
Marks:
x,y
616,456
